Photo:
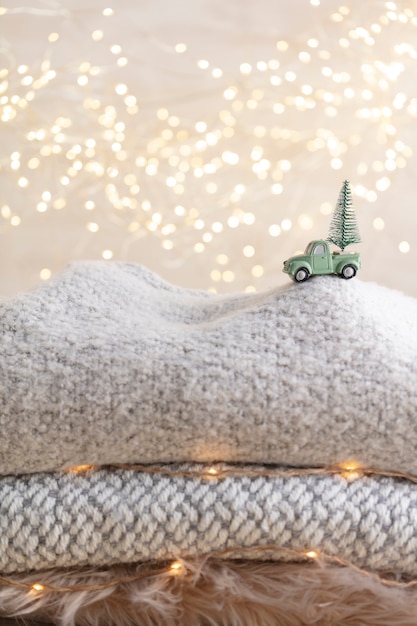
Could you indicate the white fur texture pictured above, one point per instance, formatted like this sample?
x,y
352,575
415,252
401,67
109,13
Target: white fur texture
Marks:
x,y
107,363
218,593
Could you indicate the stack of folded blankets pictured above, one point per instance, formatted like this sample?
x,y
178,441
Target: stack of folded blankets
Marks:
x,y
174,457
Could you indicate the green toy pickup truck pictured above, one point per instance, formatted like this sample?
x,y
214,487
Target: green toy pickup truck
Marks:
x,y
318,259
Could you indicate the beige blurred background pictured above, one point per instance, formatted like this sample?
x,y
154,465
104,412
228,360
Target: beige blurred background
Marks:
x,y
205,139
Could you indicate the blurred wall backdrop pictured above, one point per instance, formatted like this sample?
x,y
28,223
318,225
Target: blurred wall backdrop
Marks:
x,y
205,139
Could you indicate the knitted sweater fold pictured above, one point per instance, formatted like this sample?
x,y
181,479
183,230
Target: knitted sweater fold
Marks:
x,y
107,363
108,516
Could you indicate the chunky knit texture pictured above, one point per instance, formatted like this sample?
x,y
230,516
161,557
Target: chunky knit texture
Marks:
x,y
107,363
120,516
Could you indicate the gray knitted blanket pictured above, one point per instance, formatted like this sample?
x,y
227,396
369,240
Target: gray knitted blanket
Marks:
x,y
116,516
107,364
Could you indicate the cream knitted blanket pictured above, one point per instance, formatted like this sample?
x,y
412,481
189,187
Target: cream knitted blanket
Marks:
x,y
119,516
107,363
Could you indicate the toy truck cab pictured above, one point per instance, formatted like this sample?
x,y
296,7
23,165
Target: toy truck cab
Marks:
x,y
318,259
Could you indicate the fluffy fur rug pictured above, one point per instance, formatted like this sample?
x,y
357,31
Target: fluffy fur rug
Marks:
x,y
214,593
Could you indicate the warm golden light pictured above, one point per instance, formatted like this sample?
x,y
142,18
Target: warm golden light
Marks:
x,y
79,469
180,48
350,466
312,554
350,470
176,567
45,274
252,135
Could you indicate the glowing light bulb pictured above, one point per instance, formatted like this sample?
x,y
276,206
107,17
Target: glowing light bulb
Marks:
x,y
97,35
45,274
379,223
121,89
248,251
404,247
312,554
228,276
274,230
77,469
176,567
245,68
351,470
350,466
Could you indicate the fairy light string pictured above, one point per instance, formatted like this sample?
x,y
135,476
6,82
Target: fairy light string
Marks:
x,y
349,470
178,568
223,170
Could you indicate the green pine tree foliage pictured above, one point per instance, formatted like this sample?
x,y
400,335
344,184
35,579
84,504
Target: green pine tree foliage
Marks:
x,y
344,229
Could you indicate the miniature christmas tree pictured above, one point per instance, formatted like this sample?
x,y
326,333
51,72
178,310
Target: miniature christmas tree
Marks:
x,y
344,227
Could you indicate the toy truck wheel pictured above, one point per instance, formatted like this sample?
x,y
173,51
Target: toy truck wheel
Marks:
x,y
301,275
348,271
